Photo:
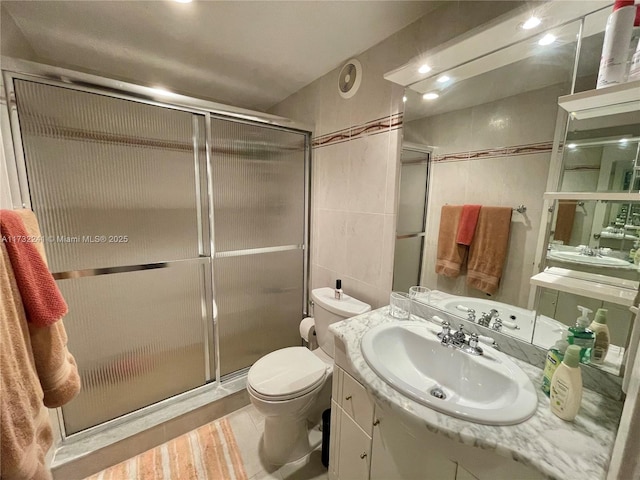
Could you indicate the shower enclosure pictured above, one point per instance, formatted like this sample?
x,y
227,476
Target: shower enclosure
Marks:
x,y
177,233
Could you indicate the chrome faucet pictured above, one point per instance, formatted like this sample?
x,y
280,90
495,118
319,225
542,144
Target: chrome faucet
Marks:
x,y
459,340
471,315
485,319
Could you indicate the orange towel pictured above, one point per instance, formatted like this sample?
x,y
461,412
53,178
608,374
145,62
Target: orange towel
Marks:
x,y
451,256
564,220
467,225
489,249
41,298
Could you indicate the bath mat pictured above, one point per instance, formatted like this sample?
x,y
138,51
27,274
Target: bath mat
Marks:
x,y
208,453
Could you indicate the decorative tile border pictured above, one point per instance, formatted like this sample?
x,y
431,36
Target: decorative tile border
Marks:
x,y
385,124
511,151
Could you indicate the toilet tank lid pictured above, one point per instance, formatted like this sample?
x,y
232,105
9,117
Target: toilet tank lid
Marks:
x,y
345,307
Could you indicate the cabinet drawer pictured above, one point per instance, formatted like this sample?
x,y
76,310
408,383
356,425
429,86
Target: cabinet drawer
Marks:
x,y
354,450
356,403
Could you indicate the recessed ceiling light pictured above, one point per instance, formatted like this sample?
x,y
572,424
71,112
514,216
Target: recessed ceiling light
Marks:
x,y
572,145
532,22
183,1
548,39
424,68
443,79
430,96
404,99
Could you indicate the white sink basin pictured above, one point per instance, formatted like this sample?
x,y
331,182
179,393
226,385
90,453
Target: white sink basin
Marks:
x,y
576,257
488,389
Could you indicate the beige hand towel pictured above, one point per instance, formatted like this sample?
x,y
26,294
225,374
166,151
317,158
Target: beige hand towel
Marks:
x,y
488,251
37,370
451,256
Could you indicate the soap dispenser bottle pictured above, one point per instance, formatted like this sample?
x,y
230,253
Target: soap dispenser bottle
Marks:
x,y
554,358
601,331
581,336
338,293
566,386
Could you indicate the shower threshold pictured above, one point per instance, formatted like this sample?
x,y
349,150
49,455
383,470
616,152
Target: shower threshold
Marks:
x,y
88,452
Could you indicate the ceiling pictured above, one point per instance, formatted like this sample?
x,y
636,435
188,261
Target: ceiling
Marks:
x,y
250,54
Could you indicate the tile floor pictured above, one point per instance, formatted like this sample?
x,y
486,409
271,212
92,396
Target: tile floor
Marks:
x,y
247,424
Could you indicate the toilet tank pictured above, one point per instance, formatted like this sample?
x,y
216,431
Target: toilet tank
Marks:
x,y
327,310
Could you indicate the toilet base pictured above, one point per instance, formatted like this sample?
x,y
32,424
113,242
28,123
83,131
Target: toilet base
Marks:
x,y
287,439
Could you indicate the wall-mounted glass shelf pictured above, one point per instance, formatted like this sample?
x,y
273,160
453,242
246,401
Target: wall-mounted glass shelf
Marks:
x,y
604,101
606,196
600,287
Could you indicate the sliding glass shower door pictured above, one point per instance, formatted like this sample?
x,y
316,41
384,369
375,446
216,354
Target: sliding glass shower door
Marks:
x,y
116,187
259,229
154,215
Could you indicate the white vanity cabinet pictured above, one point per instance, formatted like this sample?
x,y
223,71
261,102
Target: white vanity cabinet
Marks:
x,y
351,426
370,443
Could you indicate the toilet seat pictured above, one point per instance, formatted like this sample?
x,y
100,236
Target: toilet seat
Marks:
x,y
286,373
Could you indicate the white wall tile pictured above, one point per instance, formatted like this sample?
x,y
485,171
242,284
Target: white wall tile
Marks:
x,y
368,158
365,232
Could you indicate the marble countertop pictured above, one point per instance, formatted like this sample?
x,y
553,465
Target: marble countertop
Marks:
x,y
558,449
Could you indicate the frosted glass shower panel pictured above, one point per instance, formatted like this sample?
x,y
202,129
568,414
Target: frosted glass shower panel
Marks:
x,y
260,304
258,186
113,182
137,337
413,190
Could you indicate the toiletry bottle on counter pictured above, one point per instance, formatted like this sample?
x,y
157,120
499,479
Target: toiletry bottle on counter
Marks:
x,y
566,385
554,358
601,331
581,336
617,40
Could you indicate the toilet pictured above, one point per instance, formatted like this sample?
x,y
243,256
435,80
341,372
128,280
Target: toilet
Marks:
x,y
288,384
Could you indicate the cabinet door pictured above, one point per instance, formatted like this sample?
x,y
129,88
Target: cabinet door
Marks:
x,y
397,455
354,450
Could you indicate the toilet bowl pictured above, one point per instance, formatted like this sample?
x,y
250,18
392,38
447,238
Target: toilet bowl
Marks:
x,y
292,384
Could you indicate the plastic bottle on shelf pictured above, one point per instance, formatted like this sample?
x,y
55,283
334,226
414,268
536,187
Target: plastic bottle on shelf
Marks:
x,y
602,340
581,336
617,41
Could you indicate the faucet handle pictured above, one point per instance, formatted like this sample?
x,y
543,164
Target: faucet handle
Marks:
x,y
446,329
473,347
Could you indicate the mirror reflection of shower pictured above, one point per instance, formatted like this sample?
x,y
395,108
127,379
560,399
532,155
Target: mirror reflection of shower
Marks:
x,y
412,215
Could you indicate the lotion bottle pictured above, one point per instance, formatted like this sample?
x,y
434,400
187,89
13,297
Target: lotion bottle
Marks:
x,y
554,358
566,386
602,341
581,336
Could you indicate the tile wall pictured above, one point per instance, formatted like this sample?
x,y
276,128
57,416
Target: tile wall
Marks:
x,y
357,149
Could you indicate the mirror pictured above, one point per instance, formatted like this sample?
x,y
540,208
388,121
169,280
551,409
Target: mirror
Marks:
x,y
490,125
595,236
490,130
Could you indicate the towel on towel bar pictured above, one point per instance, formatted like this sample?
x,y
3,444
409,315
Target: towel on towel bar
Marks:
x,y
467,224
41,298
488,251
37,372
451,256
